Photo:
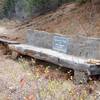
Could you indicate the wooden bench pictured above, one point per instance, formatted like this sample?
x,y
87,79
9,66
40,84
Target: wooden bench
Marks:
x,y
5,41
63,51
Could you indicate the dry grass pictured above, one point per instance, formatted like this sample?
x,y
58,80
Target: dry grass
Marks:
x,y
31,80
51,84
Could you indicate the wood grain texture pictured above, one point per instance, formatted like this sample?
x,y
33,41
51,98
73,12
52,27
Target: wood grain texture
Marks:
x,y
55,57
5,41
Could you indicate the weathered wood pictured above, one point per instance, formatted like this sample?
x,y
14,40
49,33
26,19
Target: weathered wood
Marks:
x,y
71,53
81,46
55,57
40,45
5,41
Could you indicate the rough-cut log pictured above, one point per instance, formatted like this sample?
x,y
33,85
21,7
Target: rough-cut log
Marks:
x,y
55,57
81,46
5,41
79,54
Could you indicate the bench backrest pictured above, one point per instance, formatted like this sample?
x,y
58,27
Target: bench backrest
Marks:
x,y
40,39
84,47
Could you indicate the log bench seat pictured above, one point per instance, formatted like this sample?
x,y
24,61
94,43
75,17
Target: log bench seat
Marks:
x,y
65,60
81,55
5,41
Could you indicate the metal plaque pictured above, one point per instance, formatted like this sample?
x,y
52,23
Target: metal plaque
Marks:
x,y
60,44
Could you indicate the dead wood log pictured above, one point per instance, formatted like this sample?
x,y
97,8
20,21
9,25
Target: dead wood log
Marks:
x,y
55,57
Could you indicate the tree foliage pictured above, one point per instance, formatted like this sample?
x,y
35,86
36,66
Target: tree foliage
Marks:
x,y
39,5
9,7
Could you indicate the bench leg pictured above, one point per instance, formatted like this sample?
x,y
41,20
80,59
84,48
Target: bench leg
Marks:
x,y
80,77
14,54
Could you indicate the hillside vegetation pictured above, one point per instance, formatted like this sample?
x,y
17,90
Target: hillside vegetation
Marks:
x,y
24,9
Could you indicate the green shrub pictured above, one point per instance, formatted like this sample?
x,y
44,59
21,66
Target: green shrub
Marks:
x,y
9,7
39,5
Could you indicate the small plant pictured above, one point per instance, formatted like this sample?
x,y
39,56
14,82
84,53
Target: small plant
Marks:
x,y
24,63
32,6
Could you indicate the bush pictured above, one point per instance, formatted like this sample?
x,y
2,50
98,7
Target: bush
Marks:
x,y
32,7
9,7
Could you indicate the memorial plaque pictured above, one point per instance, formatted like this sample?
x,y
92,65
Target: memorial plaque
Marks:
x,y
60,44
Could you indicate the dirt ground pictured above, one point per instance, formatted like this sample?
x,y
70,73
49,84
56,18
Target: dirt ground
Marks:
x,y
11,74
